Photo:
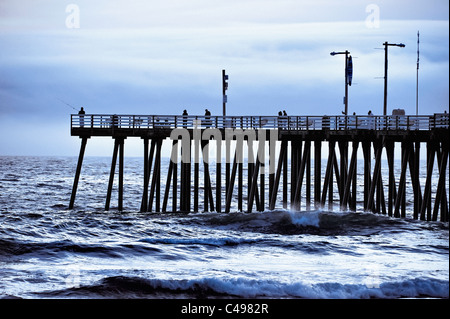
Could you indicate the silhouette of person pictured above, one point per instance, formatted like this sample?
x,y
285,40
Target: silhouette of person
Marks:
x,y
81,113
371,120
207,117
185,114
279,119
285,120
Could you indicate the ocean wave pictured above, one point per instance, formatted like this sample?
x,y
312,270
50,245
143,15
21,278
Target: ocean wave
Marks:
x,y
136,287
12,247
208,241
286,222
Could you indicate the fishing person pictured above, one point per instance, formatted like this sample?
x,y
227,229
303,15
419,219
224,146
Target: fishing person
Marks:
x,y
185,118
207,117
81,113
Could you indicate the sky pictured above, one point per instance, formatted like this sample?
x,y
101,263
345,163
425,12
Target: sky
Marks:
x,y
161,57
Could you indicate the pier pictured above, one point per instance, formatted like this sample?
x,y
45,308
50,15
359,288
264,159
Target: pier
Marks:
x,y
291,147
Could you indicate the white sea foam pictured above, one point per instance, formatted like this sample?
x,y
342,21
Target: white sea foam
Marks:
x,y
251,288
310,218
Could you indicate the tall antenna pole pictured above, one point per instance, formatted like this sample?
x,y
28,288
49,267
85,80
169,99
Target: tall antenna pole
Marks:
x,y
385,76
224,91
417,77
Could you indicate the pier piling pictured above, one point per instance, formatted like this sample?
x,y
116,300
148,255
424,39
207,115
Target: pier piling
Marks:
x,y
291,183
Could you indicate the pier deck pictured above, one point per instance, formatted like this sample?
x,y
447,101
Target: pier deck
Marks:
x,y
295,136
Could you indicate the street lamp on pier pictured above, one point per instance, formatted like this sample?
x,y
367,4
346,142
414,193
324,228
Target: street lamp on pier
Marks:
x,y
348,75
386,45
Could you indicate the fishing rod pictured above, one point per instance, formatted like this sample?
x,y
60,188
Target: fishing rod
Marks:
x,y
71,106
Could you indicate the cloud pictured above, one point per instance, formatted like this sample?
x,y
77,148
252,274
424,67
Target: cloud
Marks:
x,y
161,57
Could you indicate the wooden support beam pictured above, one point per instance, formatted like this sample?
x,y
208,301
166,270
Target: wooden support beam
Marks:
x,y
383,201
308,177
271,172
336,172
351,173
227,165
391,186
376,176
276,183
253,187
174,160
197,147
427,193
415,182
317,171
296,146
240,179
208,199
414,166
145,190
121,163
262,184
144,206
156,175
219,177
440,192
250,169
205,152
444,203
78,172
169,178
231,185
366,145
343,149
354,186
285,179
111,174
210,193
407,153
301,174
328,172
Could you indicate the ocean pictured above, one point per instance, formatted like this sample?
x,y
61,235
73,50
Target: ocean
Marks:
x,y
50,252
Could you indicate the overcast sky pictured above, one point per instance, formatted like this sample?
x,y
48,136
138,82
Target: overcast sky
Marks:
x,y
160,57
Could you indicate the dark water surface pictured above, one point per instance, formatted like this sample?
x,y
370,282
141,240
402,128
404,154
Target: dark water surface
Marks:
x,y
47,251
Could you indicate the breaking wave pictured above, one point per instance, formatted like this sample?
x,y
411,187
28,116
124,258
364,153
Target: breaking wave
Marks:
x,y
135,287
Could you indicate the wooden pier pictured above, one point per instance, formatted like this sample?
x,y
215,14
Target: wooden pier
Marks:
x,y
291,142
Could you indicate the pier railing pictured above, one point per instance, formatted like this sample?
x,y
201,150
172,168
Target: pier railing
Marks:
x,y
376,135
336,123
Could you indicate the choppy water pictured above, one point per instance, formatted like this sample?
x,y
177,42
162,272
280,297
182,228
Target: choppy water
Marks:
x,y
47,251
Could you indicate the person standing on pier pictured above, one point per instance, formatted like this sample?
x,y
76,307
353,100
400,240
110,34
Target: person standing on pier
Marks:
x,y
81,113
207,117
280,114
371,120
285,119
185,115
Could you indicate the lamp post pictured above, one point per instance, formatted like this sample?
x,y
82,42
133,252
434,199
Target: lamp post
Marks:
x,y
224,89
348,75
386,45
